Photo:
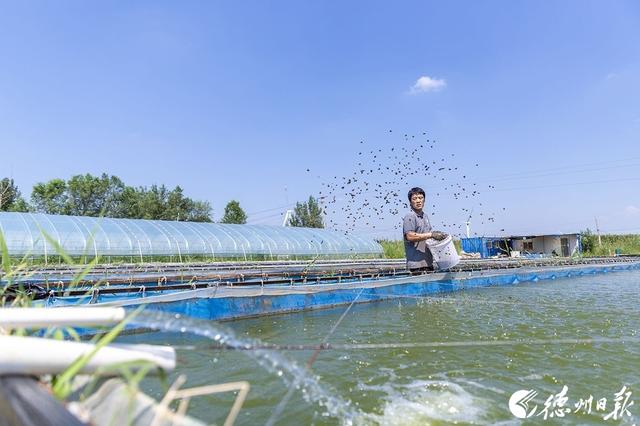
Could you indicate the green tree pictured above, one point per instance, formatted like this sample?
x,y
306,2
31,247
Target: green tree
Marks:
x,y
152,202
307,214
178,207
588,240
20,205
90,195
184,208
159,203
10,198
200,211
9,192
233,213
129,205
50,197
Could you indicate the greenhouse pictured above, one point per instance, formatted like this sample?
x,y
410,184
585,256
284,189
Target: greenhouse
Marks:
x,y
43,235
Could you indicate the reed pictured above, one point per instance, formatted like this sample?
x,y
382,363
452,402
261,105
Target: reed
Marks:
x,y
612,244
394,249
14,293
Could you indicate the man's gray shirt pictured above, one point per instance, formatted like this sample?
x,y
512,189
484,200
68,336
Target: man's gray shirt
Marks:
x,y
418,254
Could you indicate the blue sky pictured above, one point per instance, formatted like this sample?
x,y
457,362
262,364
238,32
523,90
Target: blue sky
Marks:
x,y
237,101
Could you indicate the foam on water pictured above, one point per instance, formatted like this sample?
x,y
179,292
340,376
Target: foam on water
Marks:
x,y
419,402
422,402
273,361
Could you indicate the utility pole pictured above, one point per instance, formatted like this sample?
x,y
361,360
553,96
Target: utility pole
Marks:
x,y
598,232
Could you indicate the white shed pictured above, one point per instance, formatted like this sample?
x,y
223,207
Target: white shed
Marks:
x,y
555,244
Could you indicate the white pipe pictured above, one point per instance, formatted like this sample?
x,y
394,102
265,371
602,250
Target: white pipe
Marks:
x,y
37,356
59,317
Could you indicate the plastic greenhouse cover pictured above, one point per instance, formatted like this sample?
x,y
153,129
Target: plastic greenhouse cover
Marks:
x,y
33,233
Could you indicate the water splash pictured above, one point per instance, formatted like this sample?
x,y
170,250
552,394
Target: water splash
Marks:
x,y
273,361
423,402
419,402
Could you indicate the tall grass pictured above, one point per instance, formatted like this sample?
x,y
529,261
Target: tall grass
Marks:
x,y
394,249
15,293
611,243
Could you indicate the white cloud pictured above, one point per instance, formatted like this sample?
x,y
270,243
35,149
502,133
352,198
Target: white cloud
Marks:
x,y
632,210
428,84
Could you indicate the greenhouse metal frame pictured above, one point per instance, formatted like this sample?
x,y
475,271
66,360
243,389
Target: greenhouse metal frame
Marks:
x,y
43,235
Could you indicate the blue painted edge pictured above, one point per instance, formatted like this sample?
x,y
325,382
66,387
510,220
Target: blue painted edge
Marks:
x,y
229,308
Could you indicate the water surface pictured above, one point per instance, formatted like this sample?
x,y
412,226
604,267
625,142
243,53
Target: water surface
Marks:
x,y
468,384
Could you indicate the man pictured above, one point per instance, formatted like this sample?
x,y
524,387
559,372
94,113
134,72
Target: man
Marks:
x,y
416,230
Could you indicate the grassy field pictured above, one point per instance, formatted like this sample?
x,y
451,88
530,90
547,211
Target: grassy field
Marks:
x,y
626,244
394,249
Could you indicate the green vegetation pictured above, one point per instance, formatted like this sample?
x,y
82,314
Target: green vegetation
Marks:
x,y
14,294
233,213
394,249
88,195
50,197
307,214
458,245
15,272
624,244
10,198
62,383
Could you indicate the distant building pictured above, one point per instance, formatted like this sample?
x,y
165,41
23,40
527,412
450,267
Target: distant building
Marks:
x,y
564,245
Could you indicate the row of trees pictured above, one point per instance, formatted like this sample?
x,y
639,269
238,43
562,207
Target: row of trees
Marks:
x,y
88,195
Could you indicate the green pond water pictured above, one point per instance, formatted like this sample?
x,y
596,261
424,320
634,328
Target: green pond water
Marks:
x,y
468,384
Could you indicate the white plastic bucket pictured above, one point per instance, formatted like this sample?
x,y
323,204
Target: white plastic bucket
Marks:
x,y
444,253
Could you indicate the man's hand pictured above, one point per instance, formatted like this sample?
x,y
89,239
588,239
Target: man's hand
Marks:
x,y
437,235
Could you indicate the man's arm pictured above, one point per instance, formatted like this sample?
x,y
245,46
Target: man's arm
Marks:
x,y
415,236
